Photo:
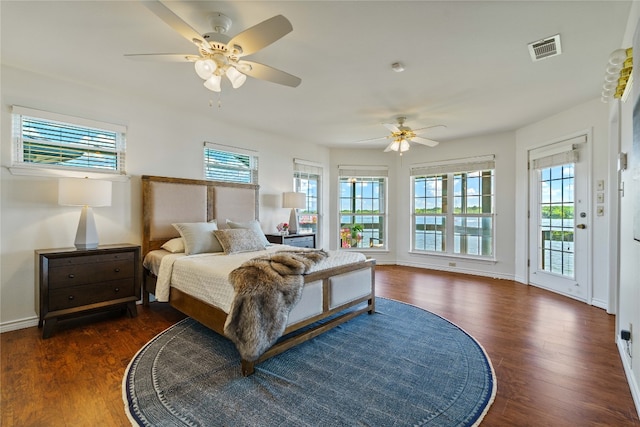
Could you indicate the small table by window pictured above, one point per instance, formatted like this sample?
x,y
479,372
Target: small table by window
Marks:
x,y
298,240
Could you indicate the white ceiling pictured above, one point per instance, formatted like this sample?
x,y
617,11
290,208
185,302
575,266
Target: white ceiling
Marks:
x,y
467,63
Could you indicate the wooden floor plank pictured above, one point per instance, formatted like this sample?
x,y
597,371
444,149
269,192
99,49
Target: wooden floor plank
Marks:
x,y
555,358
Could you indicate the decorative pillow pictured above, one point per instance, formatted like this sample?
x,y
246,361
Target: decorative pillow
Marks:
x,y
239,240
198,237
174,245
251,225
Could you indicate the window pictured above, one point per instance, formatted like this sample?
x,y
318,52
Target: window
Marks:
x,y
54,141
222,163
453,207
362,207
307,179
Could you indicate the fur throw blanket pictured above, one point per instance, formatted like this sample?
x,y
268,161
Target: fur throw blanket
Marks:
x,y
266,288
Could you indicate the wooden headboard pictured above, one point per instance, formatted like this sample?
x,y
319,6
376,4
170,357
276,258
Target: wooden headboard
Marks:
x,y
169,200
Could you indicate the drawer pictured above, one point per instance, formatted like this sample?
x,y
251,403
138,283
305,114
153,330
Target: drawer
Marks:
x,y
79,274
301,242
77,296
89,259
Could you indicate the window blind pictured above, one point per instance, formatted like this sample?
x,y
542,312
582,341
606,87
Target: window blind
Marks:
x,y
559,153
49,140
363,171
454,166
230,164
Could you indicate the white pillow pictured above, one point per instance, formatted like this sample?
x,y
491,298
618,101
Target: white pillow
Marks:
x,y
174,245
198,237
251,225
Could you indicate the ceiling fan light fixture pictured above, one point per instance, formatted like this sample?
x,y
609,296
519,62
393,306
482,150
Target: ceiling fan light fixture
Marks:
x,y
205,68
213,83
404,145
236,78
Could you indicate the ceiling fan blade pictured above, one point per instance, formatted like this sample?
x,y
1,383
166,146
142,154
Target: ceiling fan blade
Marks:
x,y
261,35
427,127
264,72
162,57
391,127
175,22
424,141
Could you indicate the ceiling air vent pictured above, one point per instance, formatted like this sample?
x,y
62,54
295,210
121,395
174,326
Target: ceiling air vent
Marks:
x,y
545,48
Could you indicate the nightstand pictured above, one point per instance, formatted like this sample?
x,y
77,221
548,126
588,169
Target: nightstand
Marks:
x,y
299,240
77,281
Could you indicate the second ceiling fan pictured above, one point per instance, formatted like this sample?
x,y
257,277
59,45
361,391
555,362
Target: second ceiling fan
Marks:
x,y
401,135
219,55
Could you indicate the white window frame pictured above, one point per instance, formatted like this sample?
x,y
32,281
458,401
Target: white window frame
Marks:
x,y
308,169
450,169
366,172
21,167
251,169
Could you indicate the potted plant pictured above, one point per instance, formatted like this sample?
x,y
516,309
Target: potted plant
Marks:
x,y
356,234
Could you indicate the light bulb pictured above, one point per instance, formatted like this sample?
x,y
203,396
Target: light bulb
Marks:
x,y
617,57
205,68
213,83
236,78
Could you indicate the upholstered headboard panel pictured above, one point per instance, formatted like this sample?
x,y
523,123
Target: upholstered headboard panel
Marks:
x,y
169,200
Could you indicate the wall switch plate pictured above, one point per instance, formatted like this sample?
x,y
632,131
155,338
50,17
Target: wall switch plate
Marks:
x,y
600,211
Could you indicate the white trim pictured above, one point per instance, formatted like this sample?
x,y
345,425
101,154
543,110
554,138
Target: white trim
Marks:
x,y
40,114
23,170
15,325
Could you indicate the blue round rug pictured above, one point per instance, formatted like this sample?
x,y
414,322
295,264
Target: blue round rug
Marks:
x,y
400,366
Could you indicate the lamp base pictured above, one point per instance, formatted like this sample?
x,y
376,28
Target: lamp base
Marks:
x,y
293,221
87,234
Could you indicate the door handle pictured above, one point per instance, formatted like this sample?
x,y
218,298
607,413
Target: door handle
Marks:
x,y
581,226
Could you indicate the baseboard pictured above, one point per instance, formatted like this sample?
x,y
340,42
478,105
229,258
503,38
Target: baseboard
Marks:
x,y
600,304
631,380
18,324
457,270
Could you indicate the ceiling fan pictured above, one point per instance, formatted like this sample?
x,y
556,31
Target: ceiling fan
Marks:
x,y
401,135
219,55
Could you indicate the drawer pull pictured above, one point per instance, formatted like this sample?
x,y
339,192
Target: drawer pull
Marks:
x,y
117,290
72,276
71,297
117,270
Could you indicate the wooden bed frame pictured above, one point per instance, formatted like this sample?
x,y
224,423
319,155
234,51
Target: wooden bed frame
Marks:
x,y
170,200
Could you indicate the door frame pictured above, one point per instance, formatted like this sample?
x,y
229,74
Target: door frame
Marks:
x,y
587,150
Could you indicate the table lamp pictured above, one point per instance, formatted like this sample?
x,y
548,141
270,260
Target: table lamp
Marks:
x,y
294,201
87,193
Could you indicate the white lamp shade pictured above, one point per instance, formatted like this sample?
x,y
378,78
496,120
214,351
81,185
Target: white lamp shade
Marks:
x,y
205,68
213,83
294,200
236,78
404,146
84,192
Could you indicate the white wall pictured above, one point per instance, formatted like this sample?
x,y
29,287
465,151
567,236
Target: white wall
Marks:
x,y
593,117
160,141
629,288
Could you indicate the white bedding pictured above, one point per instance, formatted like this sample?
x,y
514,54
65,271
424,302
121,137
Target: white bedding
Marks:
x,y
204,276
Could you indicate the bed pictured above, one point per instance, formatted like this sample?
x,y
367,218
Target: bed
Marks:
x,y
332,292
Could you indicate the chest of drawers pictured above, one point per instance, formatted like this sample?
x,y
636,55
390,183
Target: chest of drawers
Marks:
x,y
73,282
298,240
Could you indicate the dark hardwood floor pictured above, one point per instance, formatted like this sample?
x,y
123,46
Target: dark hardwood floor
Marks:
x,y
555,359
